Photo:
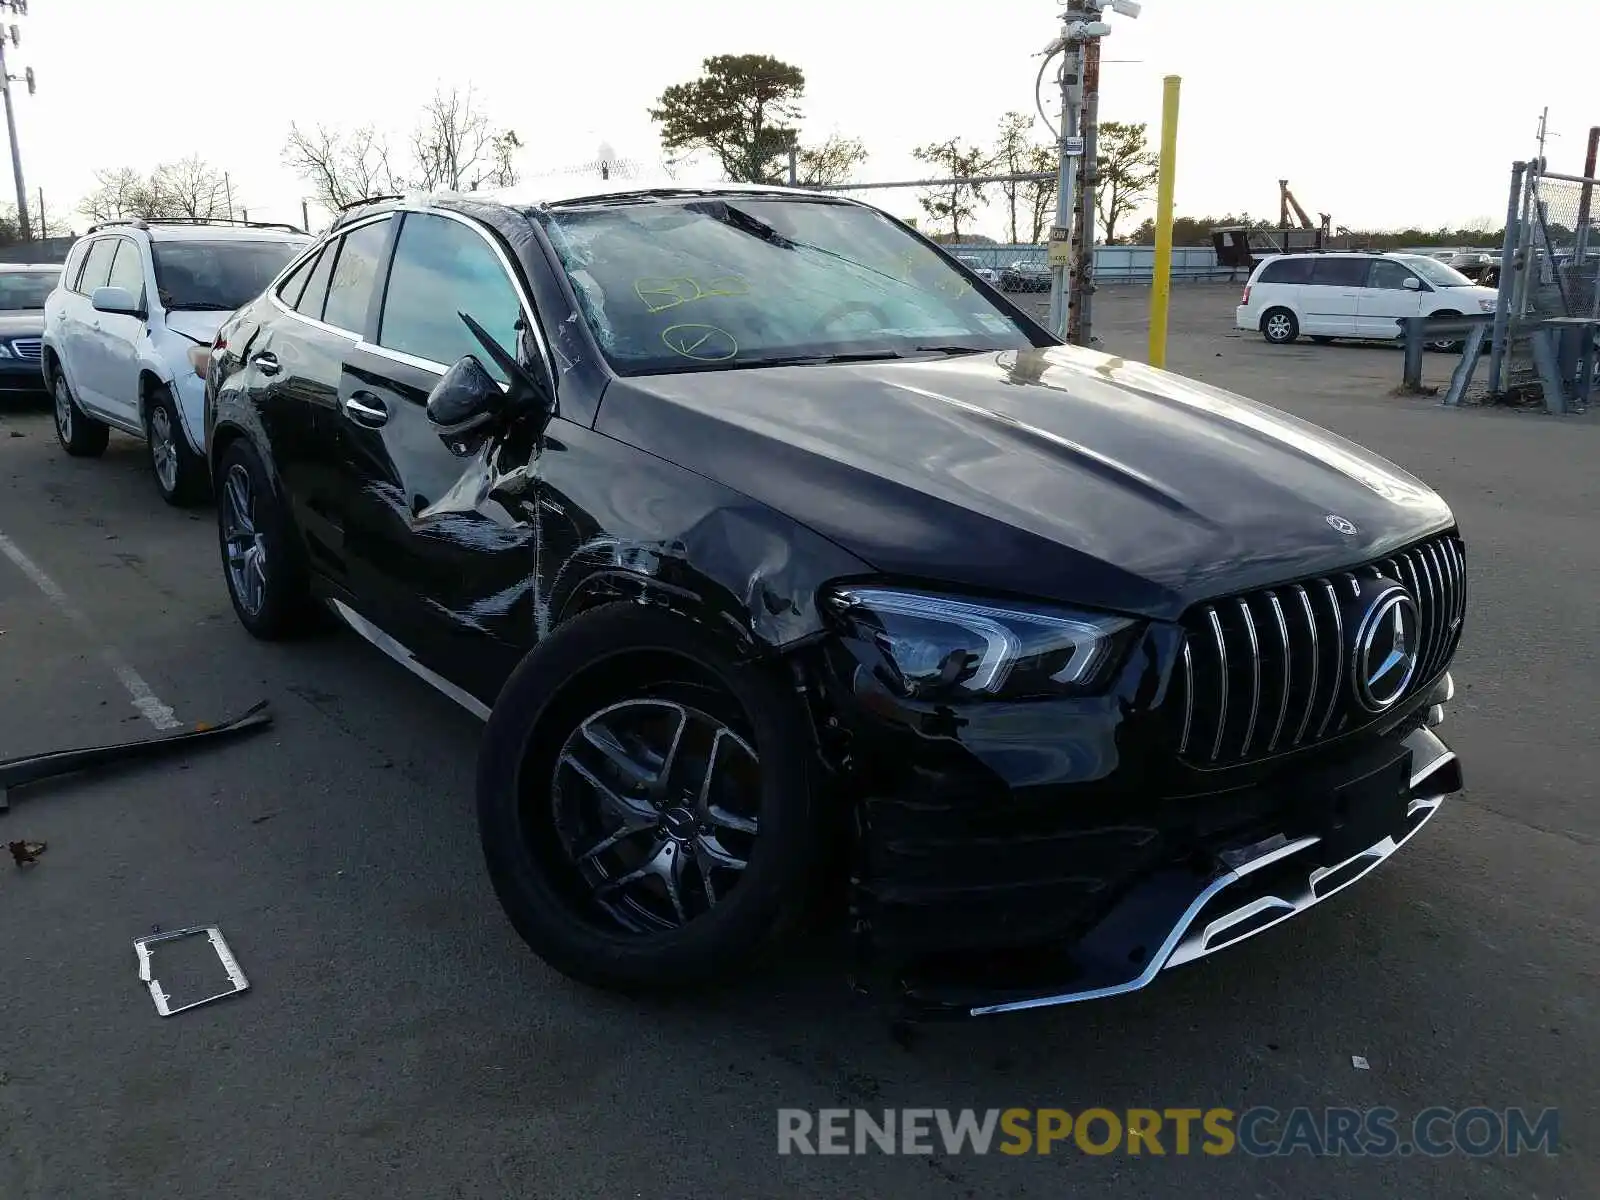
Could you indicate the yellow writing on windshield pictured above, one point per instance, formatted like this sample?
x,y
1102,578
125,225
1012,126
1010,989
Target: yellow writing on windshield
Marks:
x,y
702,343
660,294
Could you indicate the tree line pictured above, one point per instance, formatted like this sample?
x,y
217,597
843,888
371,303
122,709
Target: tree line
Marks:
x,y
745,111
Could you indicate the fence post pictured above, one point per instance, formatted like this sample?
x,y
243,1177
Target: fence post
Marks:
x,y
1161,273
794,167
1502,304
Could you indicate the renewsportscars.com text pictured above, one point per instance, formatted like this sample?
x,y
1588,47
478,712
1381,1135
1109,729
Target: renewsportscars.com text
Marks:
x,y
1258,1132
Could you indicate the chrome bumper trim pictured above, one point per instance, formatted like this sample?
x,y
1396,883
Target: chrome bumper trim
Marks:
x,y
1184,943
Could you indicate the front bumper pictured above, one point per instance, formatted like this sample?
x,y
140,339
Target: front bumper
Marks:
x,y
21,375
1029,855
1190,914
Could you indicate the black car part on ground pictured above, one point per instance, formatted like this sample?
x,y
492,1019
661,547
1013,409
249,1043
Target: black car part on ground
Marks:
x,y
31,768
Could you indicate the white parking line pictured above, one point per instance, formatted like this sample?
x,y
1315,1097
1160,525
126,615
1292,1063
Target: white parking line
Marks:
x,y
145,700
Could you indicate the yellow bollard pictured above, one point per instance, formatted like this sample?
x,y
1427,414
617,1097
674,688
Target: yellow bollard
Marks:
x,y
1161,282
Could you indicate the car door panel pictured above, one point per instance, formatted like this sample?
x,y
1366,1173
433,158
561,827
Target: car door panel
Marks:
x,y
119,337
1386,299
441,548
1332,298
80,336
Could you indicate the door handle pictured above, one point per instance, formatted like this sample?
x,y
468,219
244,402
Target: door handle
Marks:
x,y
365,409
267,362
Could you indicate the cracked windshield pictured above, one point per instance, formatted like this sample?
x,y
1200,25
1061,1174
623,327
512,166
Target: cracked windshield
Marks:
x,y
735,282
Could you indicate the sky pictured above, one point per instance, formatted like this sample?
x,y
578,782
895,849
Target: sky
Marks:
x,y
1321,94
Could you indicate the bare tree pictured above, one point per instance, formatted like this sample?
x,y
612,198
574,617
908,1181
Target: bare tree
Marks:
x,y
457,149
119,192
454,147
190,187
341,168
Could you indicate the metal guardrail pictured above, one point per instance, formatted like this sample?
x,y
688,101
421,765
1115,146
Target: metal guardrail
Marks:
x,y
1565,351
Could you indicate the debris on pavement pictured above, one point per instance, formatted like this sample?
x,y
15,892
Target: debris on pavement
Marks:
x,y
27,853
142,948
1359,1063
14,772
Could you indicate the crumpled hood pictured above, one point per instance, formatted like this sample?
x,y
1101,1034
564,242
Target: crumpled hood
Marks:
x,y
200,326
1060,473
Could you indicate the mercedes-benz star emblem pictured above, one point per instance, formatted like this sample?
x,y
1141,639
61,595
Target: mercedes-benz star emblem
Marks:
x,y
1386,645
1341,524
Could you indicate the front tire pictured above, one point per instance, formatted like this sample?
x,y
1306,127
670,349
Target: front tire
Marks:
x,y
1279,326
645,802
1444,346
260,560
179,473
80,435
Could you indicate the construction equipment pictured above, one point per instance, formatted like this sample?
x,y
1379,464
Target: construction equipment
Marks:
x,y
1286,202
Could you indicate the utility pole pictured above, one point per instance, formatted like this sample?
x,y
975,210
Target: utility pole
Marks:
x,y
9,34
1082,27
1079,302
1068,146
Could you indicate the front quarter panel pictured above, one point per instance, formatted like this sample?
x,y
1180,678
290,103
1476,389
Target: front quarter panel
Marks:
x,y
615,522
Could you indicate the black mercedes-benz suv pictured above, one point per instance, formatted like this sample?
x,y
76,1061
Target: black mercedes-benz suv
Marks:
x,y
780,550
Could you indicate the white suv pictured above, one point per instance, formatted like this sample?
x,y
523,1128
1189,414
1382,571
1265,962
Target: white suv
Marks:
x,y
1331,295
134,298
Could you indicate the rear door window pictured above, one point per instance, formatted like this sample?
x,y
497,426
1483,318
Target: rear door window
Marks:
x,y
316,286
1287,270
1340,272
355,274
74,266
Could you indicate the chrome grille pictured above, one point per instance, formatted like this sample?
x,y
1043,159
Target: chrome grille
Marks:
x,y
1268,671
26,348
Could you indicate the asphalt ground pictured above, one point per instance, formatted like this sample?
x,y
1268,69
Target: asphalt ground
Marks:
x,y
398,1039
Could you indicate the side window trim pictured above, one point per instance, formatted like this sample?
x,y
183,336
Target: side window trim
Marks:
x,y
529,313
525,310
333,244
385,256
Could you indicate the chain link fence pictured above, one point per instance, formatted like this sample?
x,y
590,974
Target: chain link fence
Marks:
x,y
1564,255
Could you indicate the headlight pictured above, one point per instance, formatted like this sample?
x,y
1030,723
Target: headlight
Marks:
x,y
940,646
5,351
1486,305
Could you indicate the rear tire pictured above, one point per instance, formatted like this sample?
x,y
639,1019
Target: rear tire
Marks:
x,y
1279,326
635,913
179,473
261,561
80,435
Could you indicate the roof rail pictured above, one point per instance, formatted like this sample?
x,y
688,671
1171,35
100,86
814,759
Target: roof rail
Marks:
x,y
147,222
366,200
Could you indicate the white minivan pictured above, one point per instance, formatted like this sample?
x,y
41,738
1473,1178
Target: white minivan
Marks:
x,y
1350,295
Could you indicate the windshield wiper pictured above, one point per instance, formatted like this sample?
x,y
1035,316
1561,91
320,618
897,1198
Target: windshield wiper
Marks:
x,y
201,306
952,351
804,360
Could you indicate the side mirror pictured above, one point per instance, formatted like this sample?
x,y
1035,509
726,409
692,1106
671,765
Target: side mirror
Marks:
x,y
466,406
1412,284
118,301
